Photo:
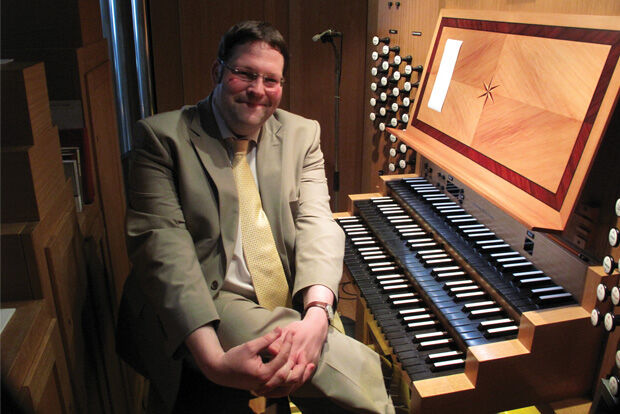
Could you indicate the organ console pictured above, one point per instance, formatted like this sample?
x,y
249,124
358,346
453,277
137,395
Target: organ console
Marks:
x,y
469,276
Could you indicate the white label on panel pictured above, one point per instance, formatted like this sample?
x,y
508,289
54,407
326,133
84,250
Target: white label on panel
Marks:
x,y
444,74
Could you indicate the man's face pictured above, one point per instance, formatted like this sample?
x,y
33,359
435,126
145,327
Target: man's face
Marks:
x,y
245,106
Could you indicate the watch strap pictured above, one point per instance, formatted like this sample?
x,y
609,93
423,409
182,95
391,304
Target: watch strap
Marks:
x,y
323,305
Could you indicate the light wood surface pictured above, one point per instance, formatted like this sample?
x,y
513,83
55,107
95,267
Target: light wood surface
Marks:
x,y
555,357
502,158
33,364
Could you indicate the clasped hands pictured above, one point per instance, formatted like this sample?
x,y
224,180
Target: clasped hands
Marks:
x,y
273,365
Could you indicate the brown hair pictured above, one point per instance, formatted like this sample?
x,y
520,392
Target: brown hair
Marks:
x,y
250,31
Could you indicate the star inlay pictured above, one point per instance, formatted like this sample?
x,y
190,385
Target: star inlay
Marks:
x,y
488,88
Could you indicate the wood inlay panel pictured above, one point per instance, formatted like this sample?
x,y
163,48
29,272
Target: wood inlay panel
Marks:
x,y
522,99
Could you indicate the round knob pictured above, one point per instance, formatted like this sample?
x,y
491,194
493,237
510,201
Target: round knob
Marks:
x,y
397,123
402,164
615,296
406,102
402,148
610,321
395,76
376,40
381,126
393,138
372,116
386,49
395,107
613,385
405,118
618,207
397,60
614,237
373,86
618,358
382,111
374,55
395,91
383,81
595,317
373,102
392,167
392,152
383,97
602,292
609,264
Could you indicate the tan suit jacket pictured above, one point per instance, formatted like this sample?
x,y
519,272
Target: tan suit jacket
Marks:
x,y
182,226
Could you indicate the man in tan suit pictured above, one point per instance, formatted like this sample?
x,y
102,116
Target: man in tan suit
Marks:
x,y
190,317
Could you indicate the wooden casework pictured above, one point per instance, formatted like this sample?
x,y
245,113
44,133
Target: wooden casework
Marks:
x,y
76,261
59,24
33,364
51,252
29,144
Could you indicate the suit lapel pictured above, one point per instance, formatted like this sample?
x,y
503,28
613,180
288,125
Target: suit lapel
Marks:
x,y
269,172
205,137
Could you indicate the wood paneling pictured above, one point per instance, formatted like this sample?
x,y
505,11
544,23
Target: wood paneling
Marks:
x,y
33,363
313,81
166,54
59,24
602,7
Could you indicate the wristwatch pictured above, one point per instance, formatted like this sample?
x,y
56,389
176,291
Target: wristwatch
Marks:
x,y
329,311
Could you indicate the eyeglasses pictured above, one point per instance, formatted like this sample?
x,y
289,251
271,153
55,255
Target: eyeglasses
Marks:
x,y
269,81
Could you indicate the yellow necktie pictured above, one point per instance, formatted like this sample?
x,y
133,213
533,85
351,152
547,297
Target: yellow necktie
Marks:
x,y
259,247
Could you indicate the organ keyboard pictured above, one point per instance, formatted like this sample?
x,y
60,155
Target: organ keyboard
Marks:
x,y
467,278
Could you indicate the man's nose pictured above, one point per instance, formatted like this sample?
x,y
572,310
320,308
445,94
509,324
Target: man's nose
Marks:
x,y
257,85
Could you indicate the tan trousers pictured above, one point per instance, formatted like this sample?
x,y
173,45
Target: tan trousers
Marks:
x,y
348,373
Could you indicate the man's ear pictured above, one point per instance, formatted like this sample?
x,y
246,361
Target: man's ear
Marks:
x,y
216,72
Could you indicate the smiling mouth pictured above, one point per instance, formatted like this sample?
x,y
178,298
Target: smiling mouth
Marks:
x,y
254,104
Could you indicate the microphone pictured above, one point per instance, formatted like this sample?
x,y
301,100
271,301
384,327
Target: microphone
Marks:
x,y
324,36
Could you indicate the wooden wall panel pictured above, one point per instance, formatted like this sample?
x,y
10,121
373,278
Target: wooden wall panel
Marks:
x,y
166,54
313,81
33,364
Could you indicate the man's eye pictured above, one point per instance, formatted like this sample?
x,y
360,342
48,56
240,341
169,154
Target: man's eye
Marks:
x,y
249,76
271,82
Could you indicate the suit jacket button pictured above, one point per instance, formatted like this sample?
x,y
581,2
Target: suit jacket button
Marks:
x,y
214,285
